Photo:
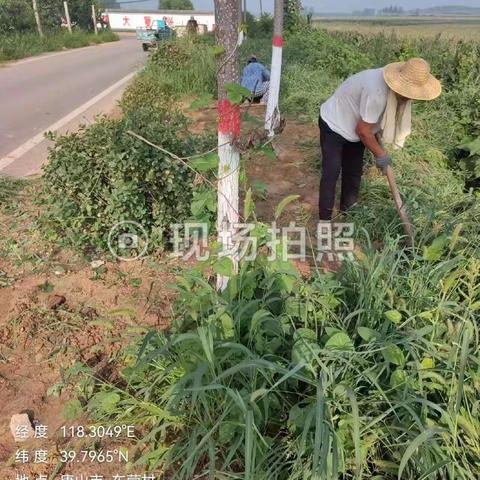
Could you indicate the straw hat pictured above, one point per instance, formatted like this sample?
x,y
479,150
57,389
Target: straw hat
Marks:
x,y
412,79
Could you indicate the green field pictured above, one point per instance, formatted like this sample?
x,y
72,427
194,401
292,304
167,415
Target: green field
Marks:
x,y
448,27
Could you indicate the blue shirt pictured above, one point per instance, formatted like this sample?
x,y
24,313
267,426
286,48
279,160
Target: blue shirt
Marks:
x,y
254,74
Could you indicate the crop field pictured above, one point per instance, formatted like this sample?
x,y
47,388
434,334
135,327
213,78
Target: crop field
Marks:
x,y
289,373
410,27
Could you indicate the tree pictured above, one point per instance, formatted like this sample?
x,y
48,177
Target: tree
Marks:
x,y
36,14
52,11
81,12
292,13
227,18
175,5
16,16
272,116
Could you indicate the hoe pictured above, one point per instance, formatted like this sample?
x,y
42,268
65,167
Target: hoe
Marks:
x,y
402,211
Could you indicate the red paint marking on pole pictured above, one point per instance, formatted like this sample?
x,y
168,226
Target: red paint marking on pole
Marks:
x,y
277,41
228,118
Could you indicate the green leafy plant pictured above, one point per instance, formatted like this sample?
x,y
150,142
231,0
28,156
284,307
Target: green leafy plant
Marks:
x,y
102,175
470,159
280,378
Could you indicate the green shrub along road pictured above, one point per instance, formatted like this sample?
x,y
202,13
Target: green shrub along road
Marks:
x,y
116,177
369,374
82,208
20,45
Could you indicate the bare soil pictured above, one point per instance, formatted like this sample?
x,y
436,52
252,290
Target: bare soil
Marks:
x,y
292,172
47,323
55,310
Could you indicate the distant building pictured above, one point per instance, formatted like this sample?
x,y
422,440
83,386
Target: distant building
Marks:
x,y
366,12
125,20
392,11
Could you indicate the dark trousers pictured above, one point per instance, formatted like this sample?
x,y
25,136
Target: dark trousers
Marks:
x,y
338,155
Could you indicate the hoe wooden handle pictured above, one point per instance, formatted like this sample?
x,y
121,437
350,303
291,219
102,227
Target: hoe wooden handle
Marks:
x,y
402,211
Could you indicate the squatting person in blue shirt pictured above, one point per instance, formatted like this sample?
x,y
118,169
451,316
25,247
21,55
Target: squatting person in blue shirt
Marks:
x,y
256,78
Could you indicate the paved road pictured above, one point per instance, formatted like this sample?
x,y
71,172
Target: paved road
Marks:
x,y
59,90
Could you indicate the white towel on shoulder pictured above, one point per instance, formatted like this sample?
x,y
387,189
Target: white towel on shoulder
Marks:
x,y
396,124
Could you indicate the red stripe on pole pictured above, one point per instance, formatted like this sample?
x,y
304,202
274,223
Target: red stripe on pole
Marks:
x,y
228,118
277,41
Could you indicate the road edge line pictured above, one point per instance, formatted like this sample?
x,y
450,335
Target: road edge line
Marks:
x,y
14,155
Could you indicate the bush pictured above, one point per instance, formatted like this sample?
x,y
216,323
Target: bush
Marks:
x,y
184,67
101,176
146,91
259,27
172,55
16,16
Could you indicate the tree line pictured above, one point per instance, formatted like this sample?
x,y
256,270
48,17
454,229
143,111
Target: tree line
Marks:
x,y
17,16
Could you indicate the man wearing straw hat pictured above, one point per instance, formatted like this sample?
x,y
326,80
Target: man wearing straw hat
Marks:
x,y
368,110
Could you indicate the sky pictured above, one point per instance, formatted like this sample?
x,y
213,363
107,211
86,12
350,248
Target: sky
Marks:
x,y
329,6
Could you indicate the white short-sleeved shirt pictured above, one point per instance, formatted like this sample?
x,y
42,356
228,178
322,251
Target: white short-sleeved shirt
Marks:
x,y
362,96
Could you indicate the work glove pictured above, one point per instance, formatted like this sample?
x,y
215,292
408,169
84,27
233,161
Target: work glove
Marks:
x,y
383,163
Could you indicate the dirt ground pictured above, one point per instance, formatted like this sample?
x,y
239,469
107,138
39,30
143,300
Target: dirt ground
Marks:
x,y
57,308
49,322
291,172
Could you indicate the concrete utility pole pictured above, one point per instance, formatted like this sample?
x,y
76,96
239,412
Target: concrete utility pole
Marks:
x,y
261,8
67,17
227,36
94,18
272,117
37,17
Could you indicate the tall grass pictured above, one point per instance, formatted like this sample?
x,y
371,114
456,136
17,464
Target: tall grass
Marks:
x,y
16,46
184,67
373,373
